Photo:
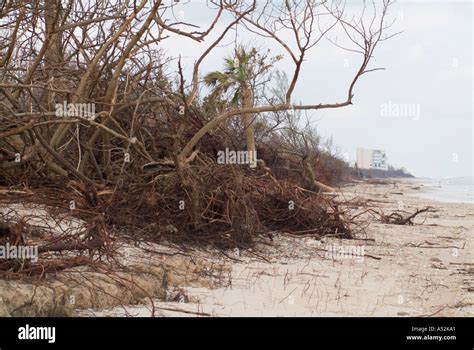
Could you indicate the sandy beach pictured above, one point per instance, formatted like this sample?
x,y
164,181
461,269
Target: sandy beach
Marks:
x,y
422,270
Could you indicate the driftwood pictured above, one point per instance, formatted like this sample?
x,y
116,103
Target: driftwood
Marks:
x,y
396,218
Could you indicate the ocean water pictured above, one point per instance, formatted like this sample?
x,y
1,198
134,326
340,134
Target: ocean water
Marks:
x,y
455,189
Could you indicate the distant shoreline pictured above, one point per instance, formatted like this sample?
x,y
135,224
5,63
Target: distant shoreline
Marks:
x,y
453,190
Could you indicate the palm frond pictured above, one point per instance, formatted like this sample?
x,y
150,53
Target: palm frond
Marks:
x,y
215,78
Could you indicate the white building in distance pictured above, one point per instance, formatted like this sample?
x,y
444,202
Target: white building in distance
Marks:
x,y
371,159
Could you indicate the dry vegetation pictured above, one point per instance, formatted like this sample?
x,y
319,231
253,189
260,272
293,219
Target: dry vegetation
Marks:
x,y
145,164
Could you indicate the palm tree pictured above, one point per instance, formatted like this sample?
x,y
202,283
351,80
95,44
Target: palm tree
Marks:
x,y
237,76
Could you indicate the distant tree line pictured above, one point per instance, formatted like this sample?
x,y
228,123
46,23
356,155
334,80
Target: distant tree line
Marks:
x,y
391,172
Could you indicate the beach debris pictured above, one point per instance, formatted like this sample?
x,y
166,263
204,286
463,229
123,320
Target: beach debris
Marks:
x,y
397,218
223,206
48,241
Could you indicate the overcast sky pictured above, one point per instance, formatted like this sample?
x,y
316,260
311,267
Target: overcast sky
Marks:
x,y
428,68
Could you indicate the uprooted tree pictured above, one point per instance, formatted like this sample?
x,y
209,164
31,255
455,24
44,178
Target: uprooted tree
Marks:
x,y
133,138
